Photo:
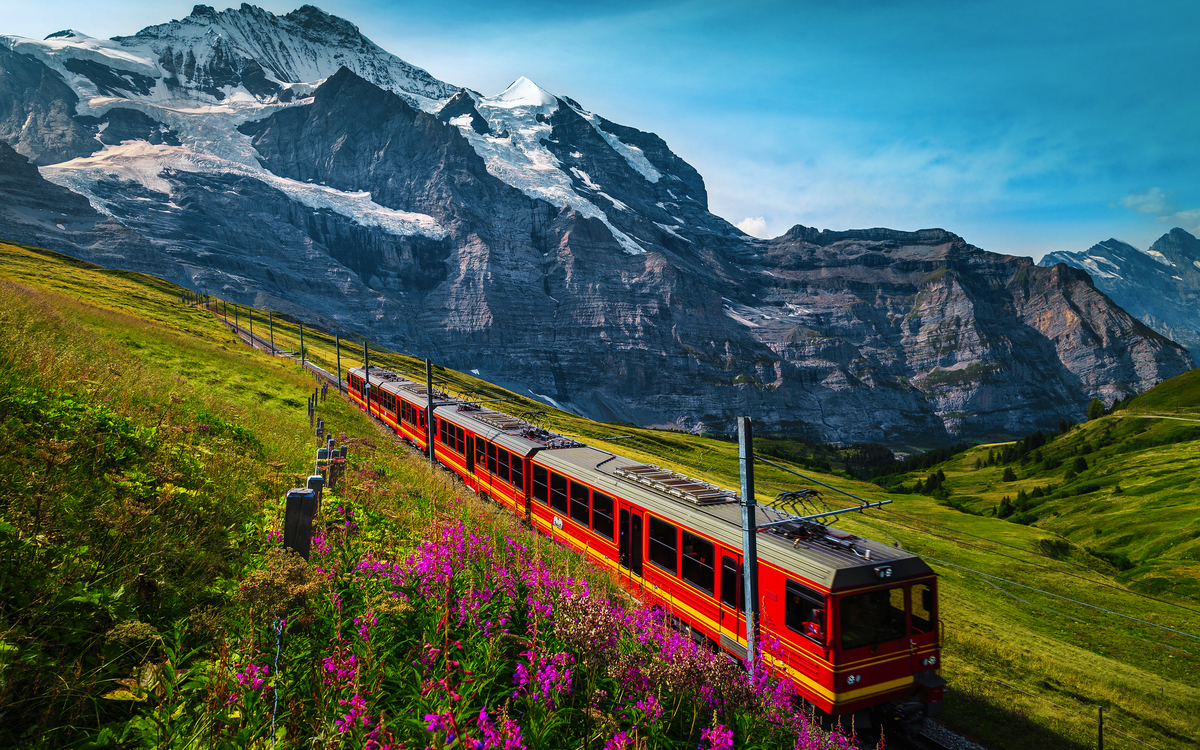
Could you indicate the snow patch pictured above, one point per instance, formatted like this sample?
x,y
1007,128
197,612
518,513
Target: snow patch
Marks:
x,y
1196,263
1092,264
670,229
585,178
521,158
143,163
616,203
634,155
1159,257
475,372
552,402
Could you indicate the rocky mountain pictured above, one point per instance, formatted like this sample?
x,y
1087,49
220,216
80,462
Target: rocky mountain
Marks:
x,y
288,162
1160,287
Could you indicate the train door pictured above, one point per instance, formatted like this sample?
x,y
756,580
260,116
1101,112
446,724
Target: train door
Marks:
x,y
629,543
470,452
733,613
526,490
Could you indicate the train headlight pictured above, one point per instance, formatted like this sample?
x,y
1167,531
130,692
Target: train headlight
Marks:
x,y
854,679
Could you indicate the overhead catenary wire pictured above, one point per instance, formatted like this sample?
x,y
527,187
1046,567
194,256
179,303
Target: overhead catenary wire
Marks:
x,y
1064,598
1026,562
1048,557
1003,544
1044,699
1031,588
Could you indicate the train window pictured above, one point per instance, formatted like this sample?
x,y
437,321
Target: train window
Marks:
x,y
541,490
873,617
517,469
804,611
663,544
460,438
491,459
921,596
502,464
698,562
579,503
481,453
441,423
602,510
731,583
558,492
423,422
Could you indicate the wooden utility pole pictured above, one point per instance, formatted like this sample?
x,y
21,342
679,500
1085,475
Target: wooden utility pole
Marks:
x,y
301,344
271,325
749,538
337,345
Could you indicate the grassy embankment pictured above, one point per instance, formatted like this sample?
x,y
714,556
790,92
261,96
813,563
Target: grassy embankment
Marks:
x,y
141,603
1027,669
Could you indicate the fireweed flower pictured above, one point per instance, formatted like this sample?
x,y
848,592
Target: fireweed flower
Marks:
x,y
341,668
620,741
364,624
356,714
254,677
507,736
719,737
440,723
549,678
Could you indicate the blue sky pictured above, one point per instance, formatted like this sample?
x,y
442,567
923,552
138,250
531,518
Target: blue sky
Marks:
x,y
1025,127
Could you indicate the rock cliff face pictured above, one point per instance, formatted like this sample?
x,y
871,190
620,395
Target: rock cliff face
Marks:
x,y
1161,287
528,239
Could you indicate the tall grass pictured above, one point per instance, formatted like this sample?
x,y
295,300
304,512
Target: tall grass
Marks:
x,y
145,602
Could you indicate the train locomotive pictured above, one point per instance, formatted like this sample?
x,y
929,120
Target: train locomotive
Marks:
x,y
853,623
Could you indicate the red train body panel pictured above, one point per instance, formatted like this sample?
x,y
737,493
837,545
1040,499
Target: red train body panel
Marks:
x,y
852,623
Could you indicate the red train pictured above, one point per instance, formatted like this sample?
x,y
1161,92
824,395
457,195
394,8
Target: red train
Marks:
x,y
856,621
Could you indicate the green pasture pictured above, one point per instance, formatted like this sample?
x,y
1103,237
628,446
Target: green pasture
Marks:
x,y
1035,640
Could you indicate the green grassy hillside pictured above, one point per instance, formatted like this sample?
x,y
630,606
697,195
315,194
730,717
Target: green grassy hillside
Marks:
x,y
1039,627
1122,491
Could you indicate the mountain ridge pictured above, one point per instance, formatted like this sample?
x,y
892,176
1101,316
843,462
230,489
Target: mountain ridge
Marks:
x,y
1159,286
521,235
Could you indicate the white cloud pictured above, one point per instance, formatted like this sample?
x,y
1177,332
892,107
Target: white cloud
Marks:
x,y
1152,202
755,226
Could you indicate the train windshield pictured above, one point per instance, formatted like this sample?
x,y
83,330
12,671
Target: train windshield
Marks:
x,y
873,617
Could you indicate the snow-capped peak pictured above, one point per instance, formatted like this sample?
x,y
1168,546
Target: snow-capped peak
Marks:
x,y
522,93
67,34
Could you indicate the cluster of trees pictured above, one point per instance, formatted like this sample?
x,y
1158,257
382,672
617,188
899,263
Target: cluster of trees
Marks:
x,y
919,462
1021,451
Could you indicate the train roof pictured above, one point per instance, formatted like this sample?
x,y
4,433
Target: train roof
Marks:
x,y
835,561
829,558
514,434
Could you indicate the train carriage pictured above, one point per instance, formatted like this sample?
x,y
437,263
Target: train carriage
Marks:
x,y
851,622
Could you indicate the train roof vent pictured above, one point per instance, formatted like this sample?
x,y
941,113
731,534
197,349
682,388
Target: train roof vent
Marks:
x,y
498,420
385,376
523,427
420,390
675,484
